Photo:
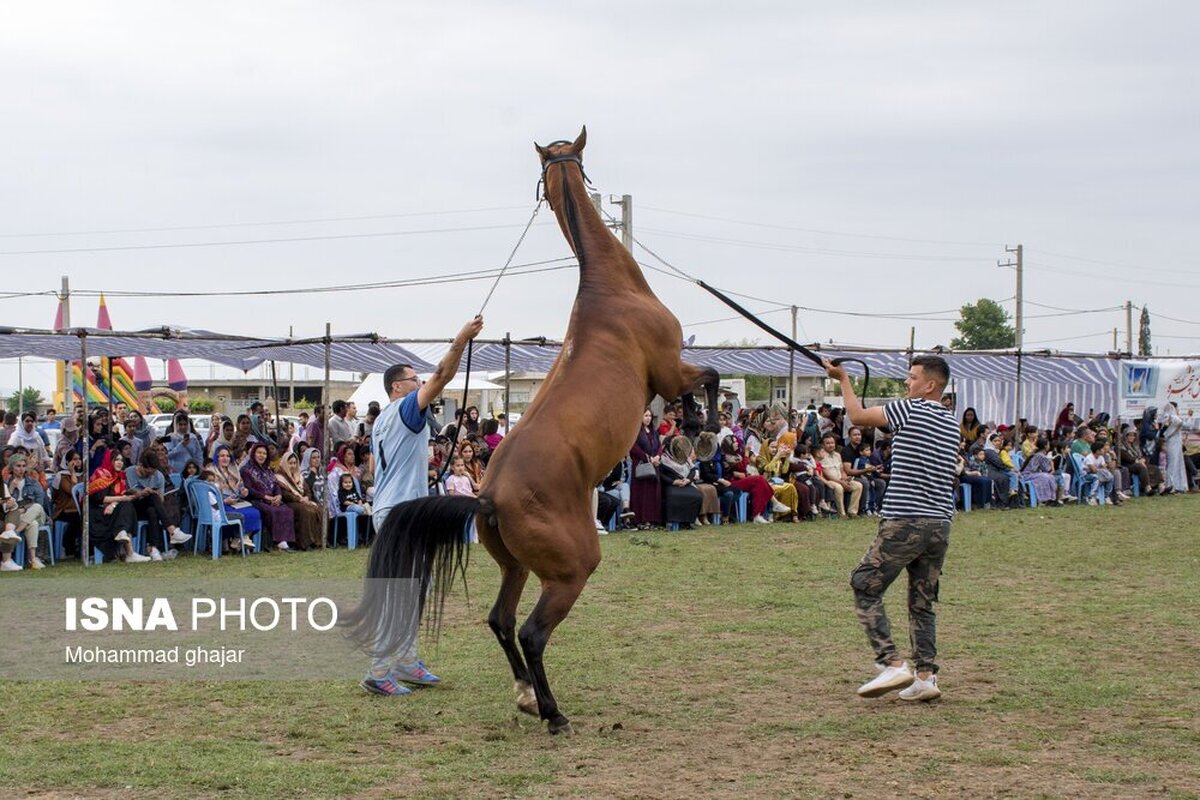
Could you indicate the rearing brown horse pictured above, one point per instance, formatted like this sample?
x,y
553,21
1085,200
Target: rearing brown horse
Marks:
x,y
534,512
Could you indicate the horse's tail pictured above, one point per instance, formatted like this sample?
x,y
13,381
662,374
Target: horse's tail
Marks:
x,y
422,542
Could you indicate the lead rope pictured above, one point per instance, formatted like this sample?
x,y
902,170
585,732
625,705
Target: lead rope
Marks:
x,y
471,344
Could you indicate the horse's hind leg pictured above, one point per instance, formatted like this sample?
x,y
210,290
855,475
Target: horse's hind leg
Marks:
x,y
503,622
552,608
503,617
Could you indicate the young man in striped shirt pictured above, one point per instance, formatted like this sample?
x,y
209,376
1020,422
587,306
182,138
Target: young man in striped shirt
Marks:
x,y
914,529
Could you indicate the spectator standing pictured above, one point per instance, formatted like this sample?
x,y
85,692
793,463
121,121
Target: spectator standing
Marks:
x,y
339,429
645,492
1175,475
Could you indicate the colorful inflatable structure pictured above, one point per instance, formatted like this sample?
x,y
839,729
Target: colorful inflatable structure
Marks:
x,y
115,379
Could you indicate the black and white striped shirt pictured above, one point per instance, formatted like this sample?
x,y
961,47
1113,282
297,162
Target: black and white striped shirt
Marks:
x,y
924,460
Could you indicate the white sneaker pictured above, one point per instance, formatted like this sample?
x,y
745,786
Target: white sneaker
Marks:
x,y
171,554
155,555
36,563
121,537
761,520
778,507
247,542
887,680
10,566
283,546
10,535
136,558
1091,501
922,690
179,537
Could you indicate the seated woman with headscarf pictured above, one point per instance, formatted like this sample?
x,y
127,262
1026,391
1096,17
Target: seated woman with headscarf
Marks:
x,y
1038,469
264,493
222,436
62,499
344,463
313,474
737,469
298,497
774,464
682,500
712,474
1065,423
111,518
185,444
234,493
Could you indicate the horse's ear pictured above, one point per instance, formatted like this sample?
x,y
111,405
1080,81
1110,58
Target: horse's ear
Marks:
x,y
580,141
544,152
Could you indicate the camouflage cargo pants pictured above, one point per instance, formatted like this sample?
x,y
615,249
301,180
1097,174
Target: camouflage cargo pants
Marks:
x,y
918,546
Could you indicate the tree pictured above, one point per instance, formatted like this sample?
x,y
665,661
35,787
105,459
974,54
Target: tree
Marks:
x,y
984,326
1144,333
32,397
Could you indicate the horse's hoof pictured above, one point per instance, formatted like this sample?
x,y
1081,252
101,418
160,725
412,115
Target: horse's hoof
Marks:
x,y
527,699
561,728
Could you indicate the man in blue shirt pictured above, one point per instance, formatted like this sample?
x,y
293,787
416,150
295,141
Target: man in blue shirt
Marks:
x,y
400,442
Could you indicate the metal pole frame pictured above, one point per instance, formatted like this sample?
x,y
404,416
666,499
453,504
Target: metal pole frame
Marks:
x,y
325,403
85,506
507,376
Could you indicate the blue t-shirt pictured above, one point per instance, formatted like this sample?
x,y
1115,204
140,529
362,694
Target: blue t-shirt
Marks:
x,y
400,443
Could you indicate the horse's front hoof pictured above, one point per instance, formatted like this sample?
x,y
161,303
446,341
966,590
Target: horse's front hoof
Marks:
x,y
562,728
527,699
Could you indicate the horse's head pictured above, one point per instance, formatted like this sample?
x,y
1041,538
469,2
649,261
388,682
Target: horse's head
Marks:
x,y
560,152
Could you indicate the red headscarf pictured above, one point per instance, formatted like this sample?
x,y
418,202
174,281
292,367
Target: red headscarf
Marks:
x,y
105,476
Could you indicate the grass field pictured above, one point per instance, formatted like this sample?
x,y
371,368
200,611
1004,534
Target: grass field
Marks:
x,y
716,663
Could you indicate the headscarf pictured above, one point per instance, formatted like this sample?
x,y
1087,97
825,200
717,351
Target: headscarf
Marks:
x,y
69,440
289,474
105,476
229,477
220,441
1065,420
674,458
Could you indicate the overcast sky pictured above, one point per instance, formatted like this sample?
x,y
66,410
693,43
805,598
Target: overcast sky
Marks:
x,y
847,157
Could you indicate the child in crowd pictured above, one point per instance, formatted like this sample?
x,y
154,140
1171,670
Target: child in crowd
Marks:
x,y
459,482
348,497
214,505
1094,464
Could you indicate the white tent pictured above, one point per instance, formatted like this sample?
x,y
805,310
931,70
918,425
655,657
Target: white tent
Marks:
x,y
372,388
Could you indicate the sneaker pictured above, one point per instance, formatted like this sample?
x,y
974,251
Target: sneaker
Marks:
x,y
887,680
761,520
10,566
171,554
36,563
1091,501
179,537
778,507
627,515
155,555
922,690
415,673
10,535
1108,501
121,537
137,558
387,685
247,543
282,547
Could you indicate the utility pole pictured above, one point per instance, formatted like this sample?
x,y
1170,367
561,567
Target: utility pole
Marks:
x,y
1129,327
1019,264
68,386
1115,340
596,201
626,226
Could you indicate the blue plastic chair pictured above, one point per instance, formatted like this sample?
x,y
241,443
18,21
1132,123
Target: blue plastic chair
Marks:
x,y
19,553
200,495
966,495
743,507
1136,484
351,520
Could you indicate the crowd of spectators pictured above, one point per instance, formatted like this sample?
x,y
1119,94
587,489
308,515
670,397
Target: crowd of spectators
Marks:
x,y
763,465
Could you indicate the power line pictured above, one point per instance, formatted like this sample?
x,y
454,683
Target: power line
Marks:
x,y
824,232
270,223
1042,267
1174,319
326,237
1117,264
529,268
788,248
730,319
1071,338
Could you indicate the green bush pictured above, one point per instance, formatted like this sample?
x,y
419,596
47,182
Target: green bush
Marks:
x,y
201,405
165,404
304,404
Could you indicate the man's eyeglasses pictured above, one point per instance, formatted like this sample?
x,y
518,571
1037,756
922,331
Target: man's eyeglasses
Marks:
x,y
416,378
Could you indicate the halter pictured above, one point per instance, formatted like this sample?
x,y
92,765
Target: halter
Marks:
x,y
539,192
